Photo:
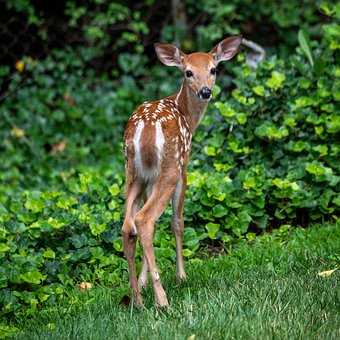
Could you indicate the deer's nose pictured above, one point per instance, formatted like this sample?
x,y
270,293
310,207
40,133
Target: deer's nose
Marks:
x,y
205,92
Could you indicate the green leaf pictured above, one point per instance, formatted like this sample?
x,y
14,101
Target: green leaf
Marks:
x,y
36,205
321,172
226,238
225,109
97,228
55,223
187,252
276,80
269,130
49,254
212,229
34,277
216,91
241,118
210,150
321,149
4,247
259,90
336,200
326,8
4,71
114,189
304,101
220,210
118,245
66,202
244,220
116,216
304,46
333,123
262,221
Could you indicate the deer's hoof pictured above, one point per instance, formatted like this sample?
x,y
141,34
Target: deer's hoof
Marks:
x,y
164,305
181,277
139,304
161,299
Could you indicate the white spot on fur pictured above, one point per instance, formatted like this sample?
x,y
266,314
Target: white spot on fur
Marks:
x,y
156,276
178,94
159,141
143,277
136,144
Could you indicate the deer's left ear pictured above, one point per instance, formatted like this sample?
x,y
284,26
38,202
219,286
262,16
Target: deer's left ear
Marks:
x,y
226,49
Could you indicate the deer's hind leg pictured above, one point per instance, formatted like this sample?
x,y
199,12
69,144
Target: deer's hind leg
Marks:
x,y
129,231
143,276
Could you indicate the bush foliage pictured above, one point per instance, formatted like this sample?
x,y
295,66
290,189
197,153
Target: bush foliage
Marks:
x,y
266,154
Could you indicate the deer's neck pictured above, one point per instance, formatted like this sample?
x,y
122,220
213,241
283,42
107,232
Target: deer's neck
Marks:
x,y
190,105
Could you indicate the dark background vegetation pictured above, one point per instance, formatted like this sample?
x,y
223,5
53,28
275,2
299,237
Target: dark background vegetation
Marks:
x,y
71,73
35,28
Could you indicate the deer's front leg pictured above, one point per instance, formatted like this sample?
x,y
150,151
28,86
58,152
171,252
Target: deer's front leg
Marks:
x,y
177,224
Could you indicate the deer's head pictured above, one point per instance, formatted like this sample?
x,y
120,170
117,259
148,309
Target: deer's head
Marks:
x,y
199,68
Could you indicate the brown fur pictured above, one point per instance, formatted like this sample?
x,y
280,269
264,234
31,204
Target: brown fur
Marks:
x,y
148,151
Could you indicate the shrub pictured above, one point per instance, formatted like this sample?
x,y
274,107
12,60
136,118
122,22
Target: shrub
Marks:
x,y
273,143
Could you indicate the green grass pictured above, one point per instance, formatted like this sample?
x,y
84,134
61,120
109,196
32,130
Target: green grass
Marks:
x,y
264,289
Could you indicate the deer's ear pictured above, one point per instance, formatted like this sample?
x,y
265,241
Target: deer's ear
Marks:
x,y
169,55
226,49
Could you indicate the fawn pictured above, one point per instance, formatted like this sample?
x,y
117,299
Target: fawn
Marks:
x,y
157,147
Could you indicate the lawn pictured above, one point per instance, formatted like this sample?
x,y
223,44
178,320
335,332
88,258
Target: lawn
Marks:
x,y
265,288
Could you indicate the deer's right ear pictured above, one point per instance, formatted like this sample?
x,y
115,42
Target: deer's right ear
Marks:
x,y
169,55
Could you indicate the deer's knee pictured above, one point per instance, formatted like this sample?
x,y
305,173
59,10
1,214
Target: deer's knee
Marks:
x,y
144,219
139,220
145,225
129,227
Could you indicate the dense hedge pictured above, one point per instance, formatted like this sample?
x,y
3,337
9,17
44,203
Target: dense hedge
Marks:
x,y
266,155
274,146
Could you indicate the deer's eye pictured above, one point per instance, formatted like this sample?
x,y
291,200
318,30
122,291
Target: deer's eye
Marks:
x,y
188,74
213,71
